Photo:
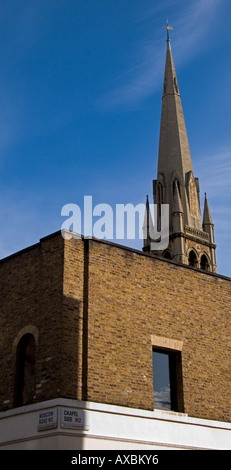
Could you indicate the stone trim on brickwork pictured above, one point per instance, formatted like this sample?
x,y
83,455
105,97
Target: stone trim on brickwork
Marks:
x,y
166,343
33,330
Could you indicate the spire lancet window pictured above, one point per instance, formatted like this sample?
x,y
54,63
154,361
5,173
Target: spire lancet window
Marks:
x,y
192,259
204,263
176,85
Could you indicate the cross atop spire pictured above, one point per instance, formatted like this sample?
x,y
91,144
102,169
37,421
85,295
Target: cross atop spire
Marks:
x,y
168,28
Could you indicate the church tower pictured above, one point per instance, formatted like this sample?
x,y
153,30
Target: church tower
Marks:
x,y
191,240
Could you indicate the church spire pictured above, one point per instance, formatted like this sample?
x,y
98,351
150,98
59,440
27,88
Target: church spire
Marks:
x,y
174,152
176,185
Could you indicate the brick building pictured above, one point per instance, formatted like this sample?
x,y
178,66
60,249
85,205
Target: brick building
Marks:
x,y
103,346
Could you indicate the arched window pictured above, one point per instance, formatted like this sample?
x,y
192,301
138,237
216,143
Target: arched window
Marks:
x,y
204,264
160,193
160,201
25,370
192,259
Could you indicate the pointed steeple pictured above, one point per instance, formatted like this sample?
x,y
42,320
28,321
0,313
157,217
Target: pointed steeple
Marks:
x,y
207,218
176,185
208,228
174,159
174,152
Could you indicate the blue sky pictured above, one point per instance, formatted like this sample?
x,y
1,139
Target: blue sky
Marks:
x,y
80,102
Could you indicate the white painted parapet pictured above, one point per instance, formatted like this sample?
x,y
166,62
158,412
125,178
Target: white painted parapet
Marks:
x,y
63,424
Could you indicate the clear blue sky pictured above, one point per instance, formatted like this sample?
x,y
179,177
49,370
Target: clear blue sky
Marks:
x,y
80,102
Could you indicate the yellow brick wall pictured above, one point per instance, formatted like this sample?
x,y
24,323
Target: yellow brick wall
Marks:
x,y
31,296
96,307
132,297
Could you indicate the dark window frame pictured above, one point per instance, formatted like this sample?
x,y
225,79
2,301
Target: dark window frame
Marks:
x,y
193,259
204,263
176,378
21,358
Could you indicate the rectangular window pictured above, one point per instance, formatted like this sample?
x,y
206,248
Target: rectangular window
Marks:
x,y
167,380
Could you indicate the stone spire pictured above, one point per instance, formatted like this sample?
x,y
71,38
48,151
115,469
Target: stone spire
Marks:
x,y
174,152
176,185
174,159
207,218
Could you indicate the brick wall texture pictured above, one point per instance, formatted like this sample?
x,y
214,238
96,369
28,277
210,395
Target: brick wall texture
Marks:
x,y
95,307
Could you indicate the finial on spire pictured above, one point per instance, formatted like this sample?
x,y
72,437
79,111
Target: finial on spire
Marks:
x,y
168,28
